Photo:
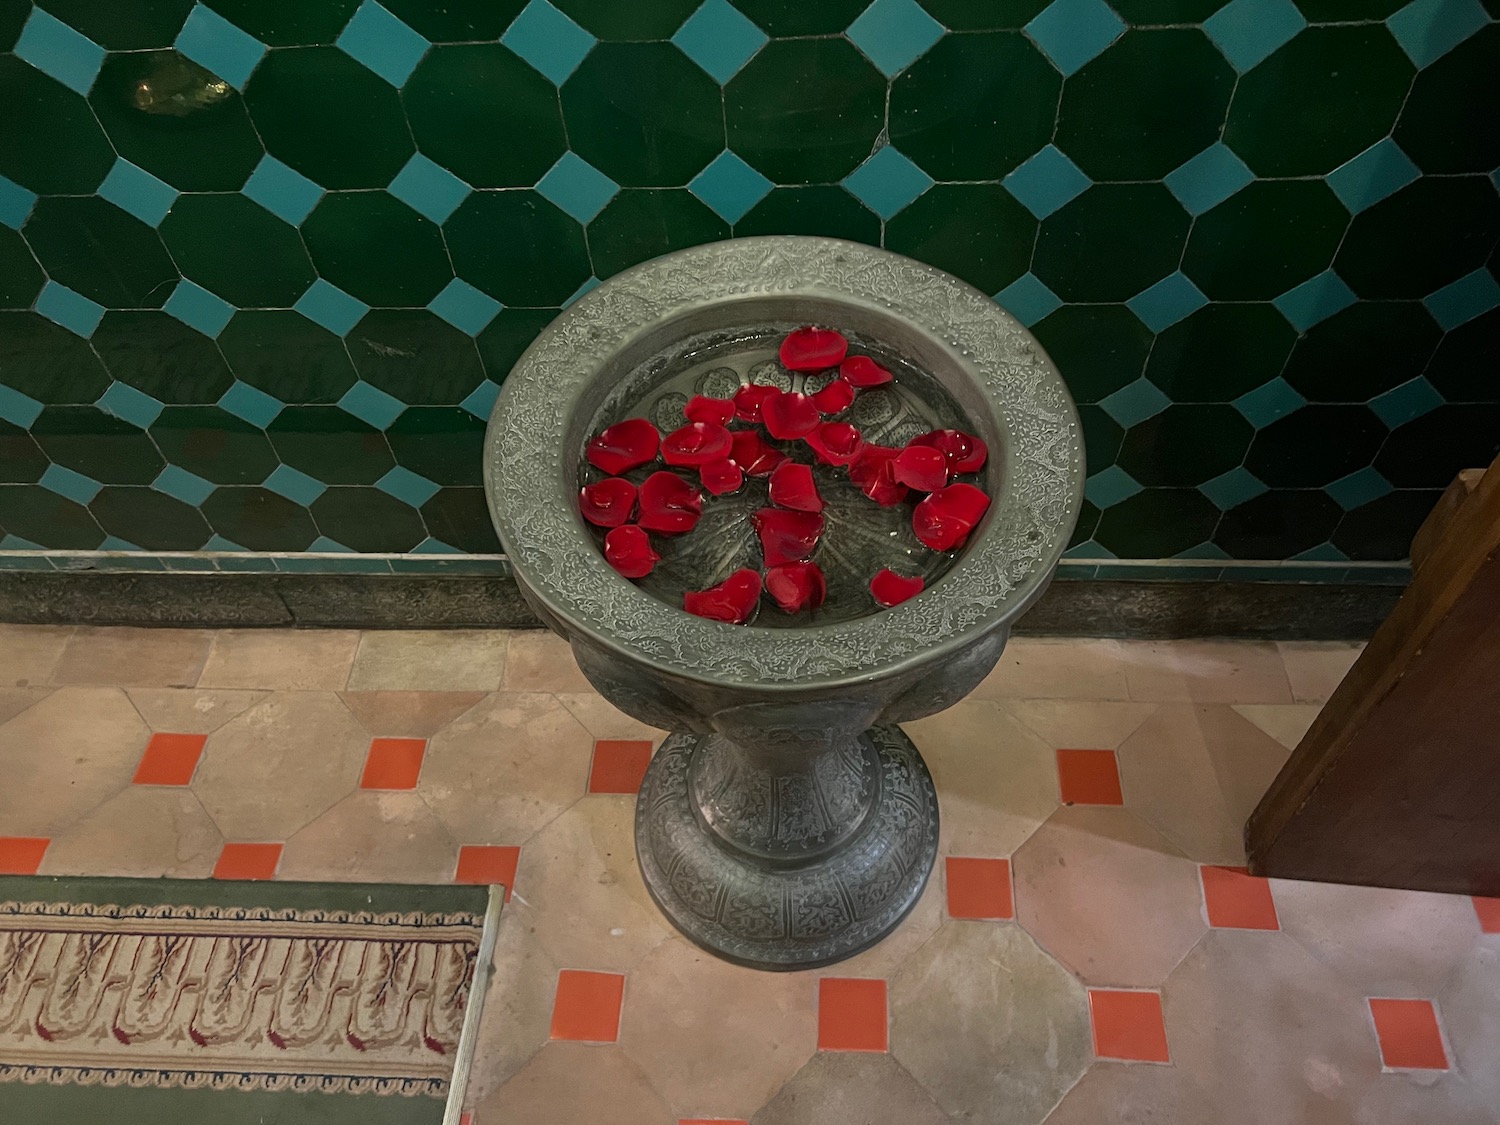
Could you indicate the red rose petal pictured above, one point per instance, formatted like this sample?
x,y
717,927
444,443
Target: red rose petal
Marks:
x,y
749,399
872,471
720,477
792,487
965,452
789,415
786,537
834,398
797,586
668,503
697,443
922,467
750,452
623,446
862,371
891,589
701,408
628,550
813,349
607,503
732,600
944,519
835,443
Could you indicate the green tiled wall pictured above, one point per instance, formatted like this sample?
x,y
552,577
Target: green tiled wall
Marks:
x,y
264,262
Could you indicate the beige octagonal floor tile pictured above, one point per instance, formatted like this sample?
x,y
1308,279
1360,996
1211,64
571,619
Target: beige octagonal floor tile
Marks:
x,y
372,836
1205,671
1413,1098
14,700
28,653
145,832
518,1009
190,710
1315,668
603,719
1080,724
273,769
1285,722
715,1039
540,660
65,755
576,1084
993,1028
1133,1094
851,1088
280,659
429,660
408,714
1110,897
1469,1010
1046,668
125,657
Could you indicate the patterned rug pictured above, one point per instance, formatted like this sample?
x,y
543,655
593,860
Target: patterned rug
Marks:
x,y
131,1000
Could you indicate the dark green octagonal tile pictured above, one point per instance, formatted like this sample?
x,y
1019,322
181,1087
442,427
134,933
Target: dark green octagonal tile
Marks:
x,y
1363,351
975,106
1448,122
52,142
1186,444
149,519
96,444
507,336
1265,239
1315,445
1146,105
1157,523
1278,524
1220,352
975,231
176,120
213,444
1098,348
13,16
518,248
805,111
237,249
826,210
1111,242
644,114
442,443
1463,368
288,23
333,120
1338,11
456,21
461,518
20,277
330,445
94,248
1431,232
286,355
1430,451
1320,100
415,356
42,516
642,223
609,19
990,15
139,25
797,17
367,519
459,94
1102,437
1383,529
163,357
259,519
21,459
376,248
1166,11
47,362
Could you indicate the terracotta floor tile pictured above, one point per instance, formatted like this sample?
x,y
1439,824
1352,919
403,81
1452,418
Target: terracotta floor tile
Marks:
x,y
408,714
1128,1025
28,653
488,864
280,659
1487,910
619,766
587,1007
248,861
1235,899
852,1015
540,660
144,832
1205,671
1074,668
393,763
372,836
429,660
1408,1034
21,855
124,657
1315,668
1089,777
170,759
978,888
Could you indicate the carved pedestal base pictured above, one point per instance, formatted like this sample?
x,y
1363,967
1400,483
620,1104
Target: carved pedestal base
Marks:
x,y
787,868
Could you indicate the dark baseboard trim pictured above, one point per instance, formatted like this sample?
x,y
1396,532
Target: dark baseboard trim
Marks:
x,y
1092,607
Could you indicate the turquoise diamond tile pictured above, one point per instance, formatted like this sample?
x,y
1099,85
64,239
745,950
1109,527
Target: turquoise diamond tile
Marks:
x,y
59,52
1046,182
465,307
323,545
893,34
582,291
1089,550
730,186
1269,402
15,203
296,486
198,308
115,543
548,40
283,191
137,192
1208,179
430,546
1381,170
1231,489
407,486
250,405
720,39
124,401
1410,400
1203,551
370,404
217,542
1106,489
182,485
1247,32
10,542
18,409
1072,32
1461,301
1323,552
1168,301
212,41
1315,300
383,43
481,399
429,189
1135,402
65,482
73,311
1028,300
887,182
1358,488
1428,29
328,305
577,187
